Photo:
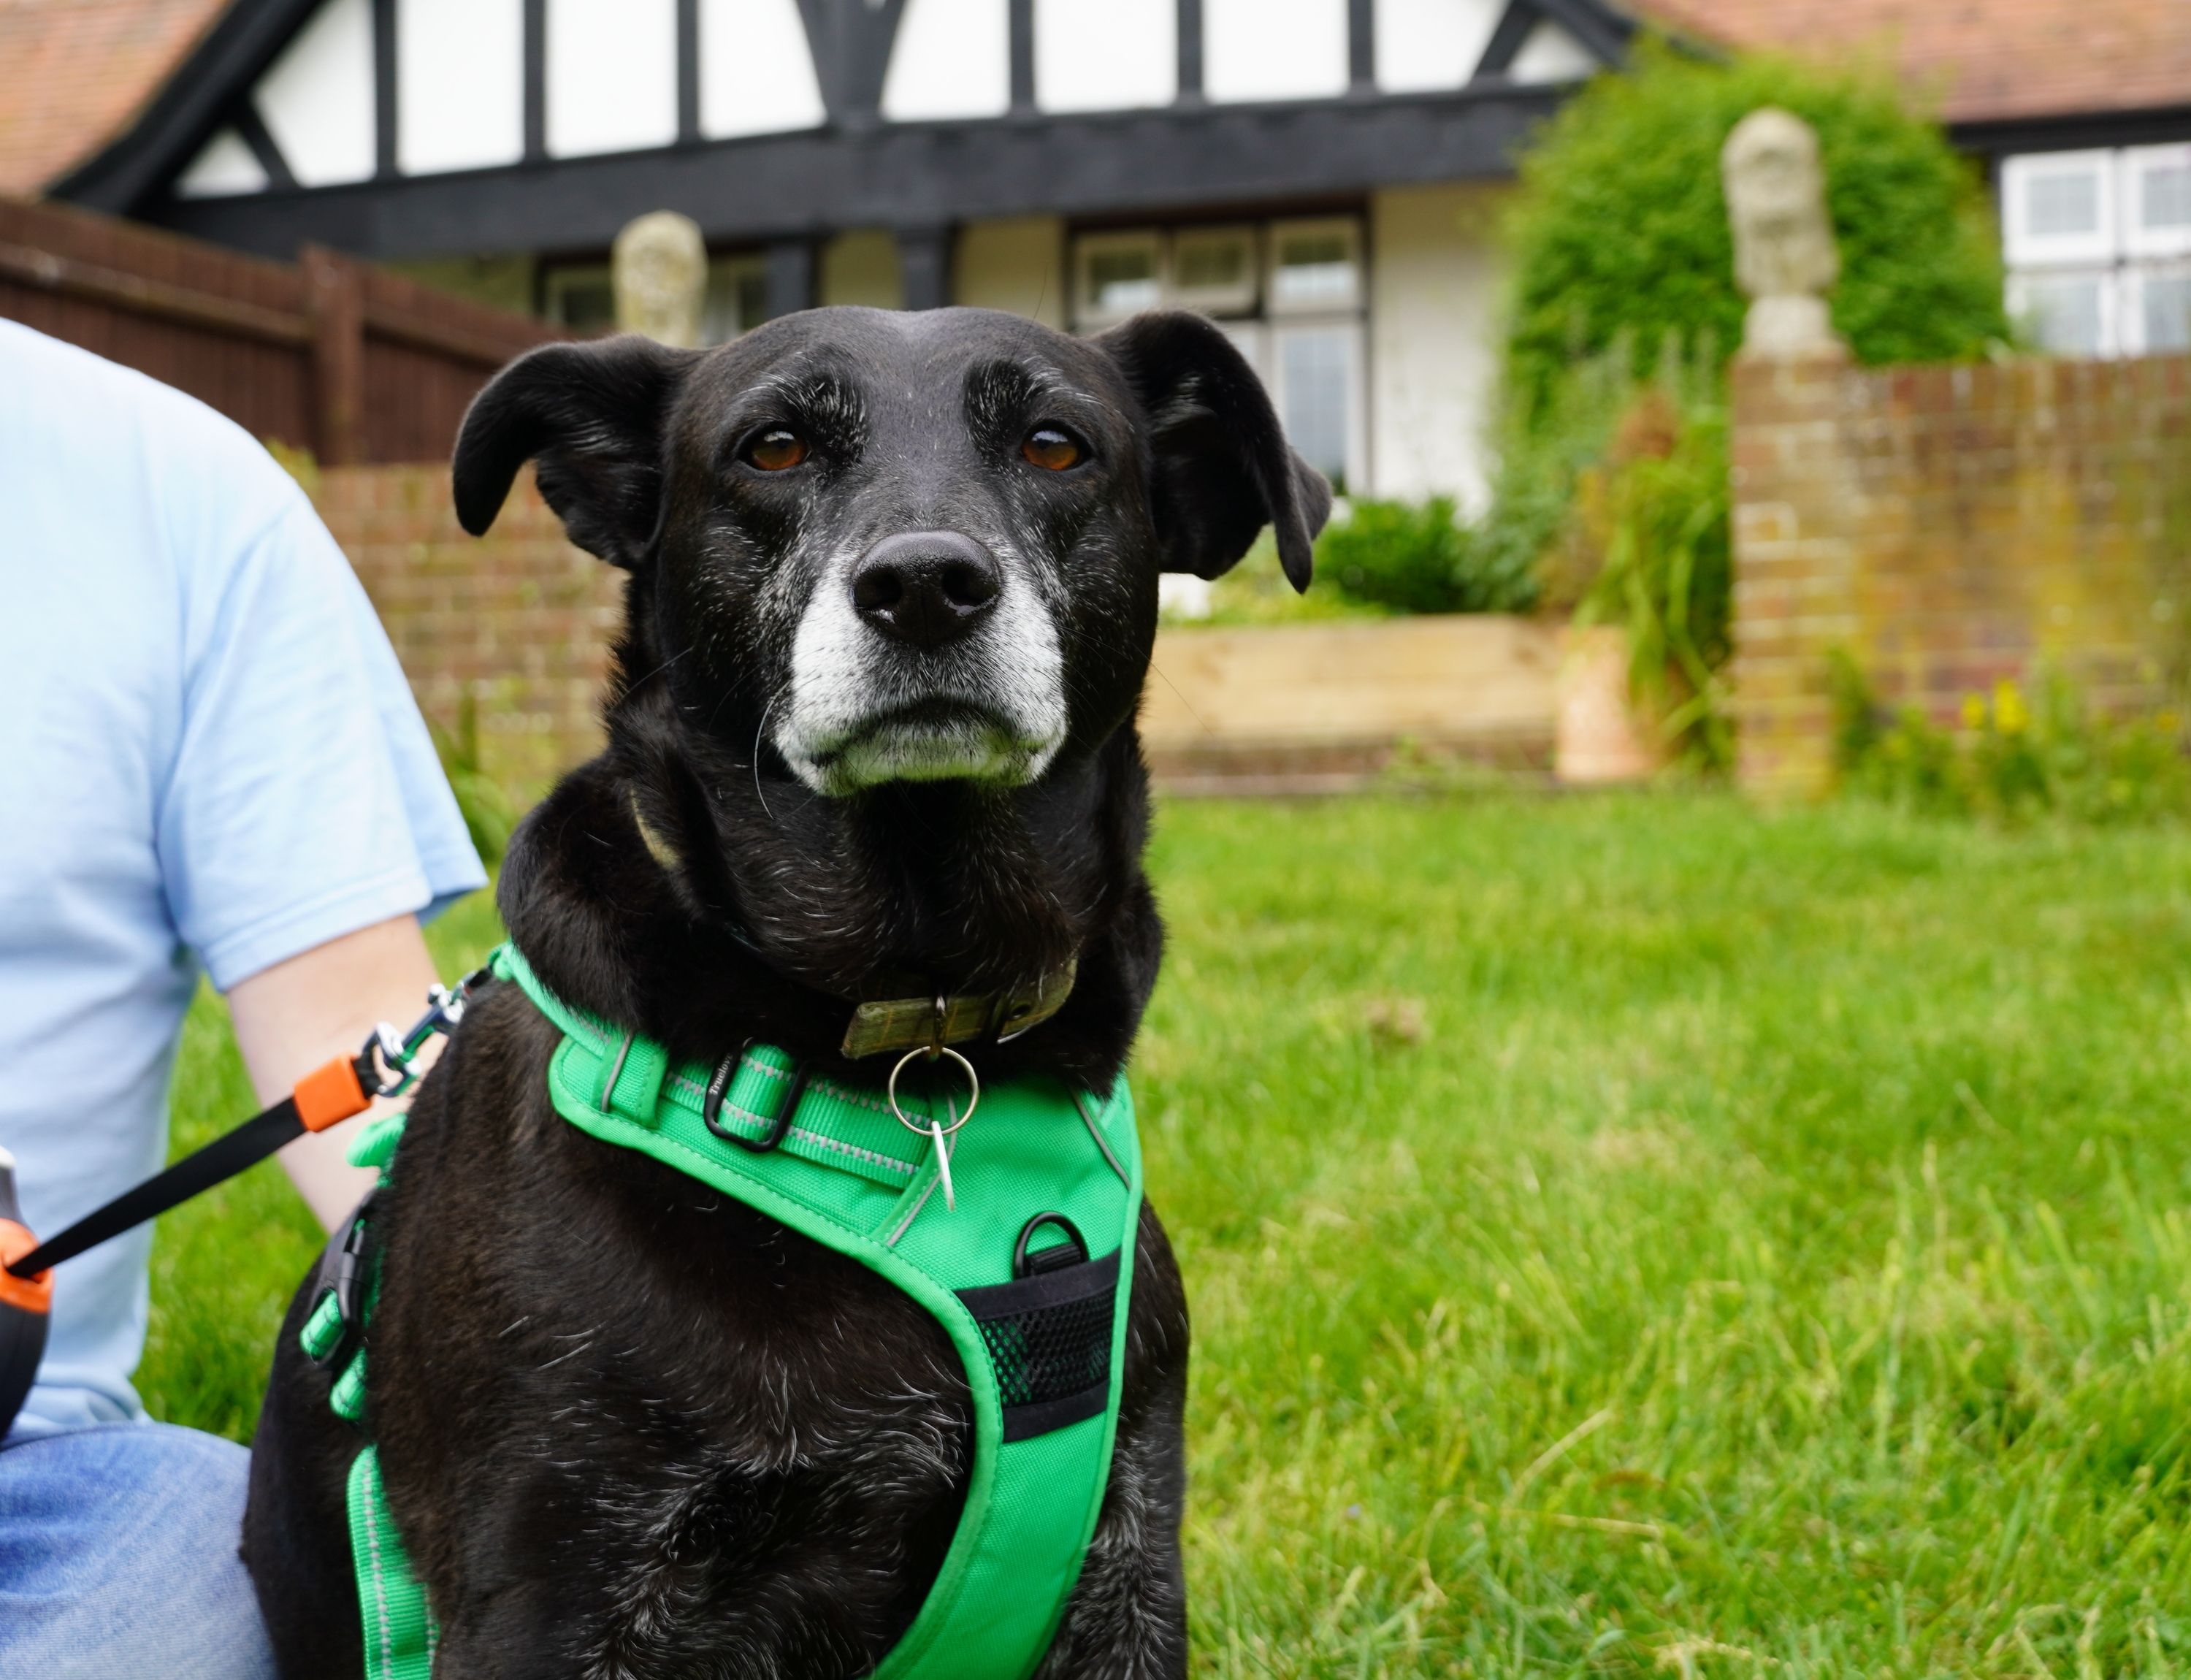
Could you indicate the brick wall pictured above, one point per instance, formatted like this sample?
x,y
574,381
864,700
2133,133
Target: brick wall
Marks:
x,y
520,619
1949,528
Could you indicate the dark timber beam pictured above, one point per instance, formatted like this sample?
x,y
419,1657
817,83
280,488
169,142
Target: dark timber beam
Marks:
x,y
1362,46
185,112
1506,41
790,277
1603,33
1022,17
535,51
928,175
924,266
688,70
385,107
259,138
1190,52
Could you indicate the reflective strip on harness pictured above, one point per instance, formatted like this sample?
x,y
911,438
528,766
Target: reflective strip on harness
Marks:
x,y
400,1635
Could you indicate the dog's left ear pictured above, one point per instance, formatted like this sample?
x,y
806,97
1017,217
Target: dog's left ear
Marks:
x,y
1223,468
593,414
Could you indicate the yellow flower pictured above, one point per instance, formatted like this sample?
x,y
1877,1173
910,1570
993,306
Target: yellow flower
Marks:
x,y
1974,711
2009,715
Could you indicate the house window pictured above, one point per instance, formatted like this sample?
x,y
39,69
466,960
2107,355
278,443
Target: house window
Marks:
x,y
2098,243
582,297
737,298
1289,293
579,296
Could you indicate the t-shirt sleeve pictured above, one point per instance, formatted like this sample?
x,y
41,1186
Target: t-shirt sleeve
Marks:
x,y
305,801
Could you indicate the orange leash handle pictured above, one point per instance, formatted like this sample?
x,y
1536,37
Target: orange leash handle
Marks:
x,y
330,1094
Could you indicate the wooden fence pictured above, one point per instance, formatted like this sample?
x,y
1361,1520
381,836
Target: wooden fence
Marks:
x,y
353,363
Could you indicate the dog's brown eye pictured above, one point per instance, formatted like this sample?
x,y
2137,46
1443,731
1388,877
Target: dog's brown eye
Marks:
x,y
776,450
1053,450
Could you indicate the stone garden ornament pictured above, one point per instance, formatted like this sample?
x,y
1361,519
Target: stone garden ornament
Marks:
x,y
659,266
1785,259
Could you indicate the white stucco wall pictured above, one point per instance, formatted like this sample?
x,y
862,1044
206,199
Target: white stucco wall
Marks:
x,y
1017,264
1436,285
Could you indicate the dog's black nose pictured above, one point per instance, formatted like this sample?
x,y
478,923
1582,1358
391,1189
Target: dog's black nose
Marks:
x,y
925,587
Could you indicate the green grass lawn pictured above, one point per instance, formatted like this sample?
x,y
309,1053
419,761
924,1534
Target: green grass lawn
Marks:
x,y
1625,1235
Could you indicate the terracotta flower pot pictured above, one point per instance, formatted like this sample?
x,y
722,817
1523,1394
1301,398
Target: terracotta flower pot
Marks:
x,y
1598,736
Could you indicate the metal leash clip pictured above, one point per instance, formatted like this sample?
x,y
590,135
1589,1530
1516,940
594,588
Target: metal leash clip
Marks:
x,y
387,1066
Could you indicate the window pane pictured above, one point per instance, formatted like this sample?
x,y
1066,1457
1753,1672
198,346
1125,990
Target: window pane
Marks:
x,y
1213,270
582,300
1205,264
737,299
2167,313
2064,202
1120,281
2165,196
2063,310
1315,268
1316,368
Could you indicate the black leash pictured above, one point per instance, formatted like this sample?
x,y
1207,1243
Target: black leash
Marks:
x,y
325,1097
224,1158
329,1094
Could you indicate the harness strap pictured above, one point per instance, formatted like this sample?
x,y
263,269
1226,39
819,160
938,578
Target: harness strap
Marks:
x,y
1041,1332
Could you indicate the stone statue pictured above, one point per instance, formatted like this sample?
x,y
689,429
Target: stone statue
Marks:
x,y
659,266
1784,247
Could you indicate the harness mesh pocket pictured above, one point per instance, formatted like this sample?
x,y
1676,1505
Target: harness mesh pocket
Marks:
x,y
1049,1338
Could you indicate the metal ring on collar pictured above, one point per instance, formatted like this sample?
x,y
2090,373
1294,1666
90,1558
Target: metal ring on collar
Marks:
x,y
930,1128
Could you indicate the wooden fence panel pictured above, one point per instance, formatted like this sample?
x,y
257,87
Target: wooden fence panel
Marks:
x,y
355,363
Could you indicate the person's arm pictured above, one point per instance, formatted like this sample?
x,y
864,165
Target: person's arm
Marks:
x,y
292,1017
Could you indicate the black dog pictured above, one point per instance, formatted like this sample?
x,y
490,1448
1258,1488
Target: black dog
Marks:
x,y
892,597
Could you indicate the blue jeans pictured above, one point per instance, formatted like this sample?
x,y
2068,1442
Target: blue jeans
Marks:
x,y
119,1557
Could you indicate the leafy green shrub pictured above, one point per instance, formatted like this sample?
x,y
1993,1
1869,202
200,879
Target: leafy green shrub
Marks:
x,y
1417,557
1621,231
1653,520
2015,760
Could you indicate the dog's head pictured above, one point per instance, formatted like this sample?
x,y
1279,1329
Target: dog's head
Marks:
x,y
898,547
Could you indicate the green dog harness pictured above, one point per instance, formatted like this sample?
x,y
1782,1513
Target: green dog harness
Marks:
x,y
1013,1223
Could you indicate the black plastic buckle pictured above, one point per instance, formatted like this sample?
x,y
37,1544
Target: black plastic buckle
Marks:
x,y
345,1271
719,1084
1073,1251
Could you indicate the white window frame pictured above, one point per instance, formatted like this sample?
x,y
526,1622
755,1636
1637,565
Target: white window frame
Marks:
x,y
2110,341
1273,368
2025,248
1214,300
2131,334
565,277
1085,312
1347,227
2137,239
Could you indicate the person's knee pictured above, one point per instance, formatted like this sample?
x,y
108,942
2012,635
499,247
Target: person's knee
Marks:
x,y
119,1554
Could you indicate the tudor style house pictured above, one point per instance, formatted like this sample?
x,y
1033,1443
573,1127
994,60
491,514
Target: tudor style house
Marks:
x,y
1324,177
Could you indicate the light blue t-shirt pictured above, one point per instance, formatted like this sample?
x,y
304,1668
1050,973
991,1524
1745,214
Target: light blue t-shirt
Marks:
x,y
210,762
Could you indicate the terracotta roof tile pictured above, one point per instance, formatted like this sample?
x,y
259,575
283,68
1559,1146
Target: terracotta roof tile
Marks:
x,y
73,72
1979,61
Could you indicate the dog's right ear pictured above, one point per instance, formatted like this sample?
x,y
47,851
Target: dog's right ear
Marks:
x,y
592,416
